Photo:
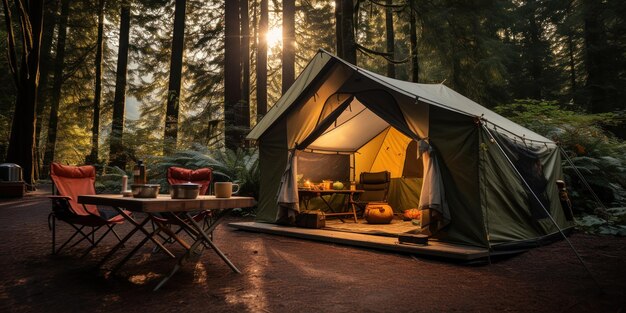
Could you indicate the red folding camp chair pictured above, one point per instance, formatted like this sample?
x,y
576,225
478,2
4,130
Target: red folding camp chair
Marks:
x,y
179,175
70,182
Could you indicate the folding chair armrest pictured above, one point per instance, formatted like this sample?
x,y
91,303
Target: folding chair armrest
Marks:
x,y
60,197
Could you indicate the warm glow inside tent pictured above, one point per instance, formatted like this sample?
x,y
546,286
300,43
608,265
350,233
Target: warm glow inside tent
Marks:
x,y
496,178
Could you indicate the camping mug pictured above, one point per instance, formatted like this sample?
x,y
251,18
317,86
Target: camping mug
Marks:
x,y
225,189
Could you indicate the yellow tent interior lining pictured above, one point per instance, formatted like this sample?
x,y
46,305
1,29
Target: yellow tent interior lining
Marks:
x,y
385,152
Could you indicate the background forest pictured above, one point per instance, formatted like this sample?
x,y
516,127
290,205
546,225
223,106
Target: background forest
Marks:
x,y
158,80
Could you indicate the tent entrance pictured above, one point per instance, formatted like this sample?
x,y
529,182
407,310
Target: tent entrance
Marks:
x,y
389,150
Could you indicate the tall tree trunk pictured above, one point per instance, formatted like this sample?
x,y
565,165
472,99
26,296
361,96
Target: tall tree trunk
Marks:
x,y
244,108
391,68
572,66
603,76
50,22
289,43
536,67
57,84
95,125
338,28
347,31
176,66
413,40
595,64
261,63
232,74
22,140
117,156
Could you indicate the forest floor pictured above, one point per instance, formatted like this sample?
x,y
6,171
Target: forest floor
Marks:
x,y
282,274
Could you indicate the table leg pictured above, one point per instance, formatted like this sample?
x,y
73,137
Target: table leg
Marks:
x,y
350,205
201,237
210,242
121,243
331,208
178,264
139,226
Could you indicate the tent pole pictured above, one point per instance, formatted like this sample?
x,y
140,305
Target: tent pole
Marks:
x,y
580,175
545,209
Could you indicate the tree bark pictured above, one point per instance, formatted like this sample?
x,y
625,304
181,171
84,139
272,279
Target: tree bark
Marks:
x,y
413,40
261,63
338,28
572,66
57,84
391,68
22,140
244,108
536,68
232,74
176,66
44,69
289,44
347,31
596,67
95,125
117,156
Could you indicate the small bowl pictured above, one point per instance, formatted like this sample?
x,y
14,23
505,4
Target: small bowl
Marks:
x,y
184,191
145,190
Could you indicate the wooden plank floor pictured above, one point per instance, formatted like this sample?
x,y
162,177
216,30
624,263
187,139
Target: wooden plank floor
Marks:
x,y
434,248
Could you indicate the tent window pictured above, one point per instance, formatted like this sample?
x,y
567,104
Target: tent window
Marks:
x,y
319,166
528,163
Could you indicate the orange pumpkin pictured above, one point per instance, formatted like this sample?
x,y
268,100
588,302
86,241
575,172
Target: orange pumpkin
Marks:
x,y
413,214
378,213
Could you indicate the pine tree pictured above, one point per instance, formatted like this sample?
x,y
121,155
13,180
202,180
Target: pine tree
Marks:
x,y
232,74
117,156
26,78
176,64
59,65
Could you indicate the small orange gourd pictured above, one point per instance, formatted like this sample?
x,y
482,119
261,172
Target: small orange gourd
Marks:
x,y
413,214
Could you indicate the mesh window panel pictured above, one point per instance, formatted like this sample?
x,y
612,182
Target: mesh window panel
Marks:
x,y
318,166
528,162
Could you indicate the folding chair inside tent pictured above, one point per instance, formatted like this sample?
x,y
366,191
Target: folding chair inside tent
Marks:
x,y
70,182
376,188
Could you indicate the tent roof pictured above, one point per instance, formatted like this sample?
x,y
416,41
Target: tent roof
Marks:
x,y
433,94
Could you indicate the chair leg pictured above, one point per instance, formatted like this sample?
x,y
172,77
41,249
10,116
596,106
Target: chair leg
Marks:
x,y
87,236
54,235
354,213
115,233
95,243
72,237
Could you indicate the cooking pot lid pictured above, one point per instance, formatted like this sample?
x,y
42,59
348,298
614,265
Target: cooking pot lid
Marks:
x,y
188,185
145,185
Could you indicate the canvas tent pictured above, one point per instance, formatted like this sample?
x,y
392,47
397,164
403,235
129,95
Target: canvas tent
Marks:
x,y
490,176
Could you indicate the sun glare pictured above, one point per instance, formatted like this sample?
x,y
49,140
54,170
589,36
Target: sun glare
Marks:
x,y
274,37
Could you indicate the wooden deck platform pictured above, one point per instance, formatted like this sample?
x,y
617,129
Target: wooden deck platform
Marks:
x,y
433,249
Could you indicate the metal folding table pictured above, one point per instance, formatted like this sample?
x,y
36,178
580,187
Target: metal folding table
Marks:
x,y
181,210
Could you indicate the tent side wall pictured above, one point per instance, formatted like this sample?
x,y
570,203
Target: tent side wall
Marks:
x,y
272,162
506,198
455,138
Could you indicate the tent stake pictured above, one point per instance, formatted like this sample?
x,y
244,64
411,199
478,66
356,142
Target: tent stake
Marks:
x,y
546,210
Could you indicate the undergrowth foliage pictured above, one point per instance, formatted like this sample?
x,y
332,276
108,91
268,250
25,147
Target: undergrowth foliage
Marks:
x,y
594,152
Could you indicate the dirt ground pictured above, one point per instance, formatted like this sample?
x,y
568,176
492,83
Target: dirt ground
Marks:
x,y
282,274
